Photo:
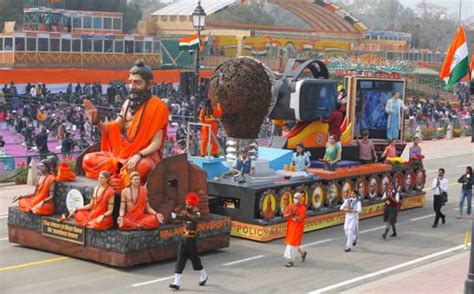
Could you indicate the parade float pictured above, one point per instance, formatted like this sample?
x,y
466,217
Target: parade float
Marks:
x,y
247,92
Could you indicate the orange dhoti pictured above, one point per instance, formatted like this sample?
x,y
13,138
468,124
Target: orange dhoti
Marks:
x,y
27,203
210,120
136,218
90,218
150,118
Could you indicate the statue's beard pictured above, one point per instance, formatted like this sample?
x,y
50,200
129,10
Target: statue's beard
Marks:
x,y
137,98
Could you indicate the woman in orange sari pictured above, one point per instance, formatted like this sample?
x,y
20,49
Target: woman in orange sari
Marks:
x,y
97,214
296,214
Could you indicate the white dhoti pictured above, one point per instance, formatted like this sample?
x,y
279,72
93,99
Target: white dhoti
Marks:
x,y
351,227
290,252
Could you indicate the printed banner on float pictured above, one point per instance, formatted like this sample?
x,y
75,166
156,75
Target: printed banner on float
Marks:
x,y
317,222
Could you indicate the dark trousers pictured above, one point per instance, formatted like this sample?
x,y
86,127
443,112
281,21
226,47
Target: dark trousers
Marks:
x,y
437,204
188,250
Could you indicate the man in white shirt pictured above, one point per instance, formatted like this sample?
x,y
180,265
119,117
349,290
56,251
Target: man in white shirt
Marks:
x,y
244,165
439,186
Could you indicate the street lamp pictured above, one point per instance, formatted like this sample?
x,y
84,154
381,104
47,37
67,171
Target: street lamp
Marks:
x,y
199,21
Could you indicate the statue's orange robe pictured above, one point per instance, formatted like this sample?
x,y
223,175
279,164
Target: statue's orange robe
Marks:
x,y
136,218
295,228
150,118
211,120
87,218
42,192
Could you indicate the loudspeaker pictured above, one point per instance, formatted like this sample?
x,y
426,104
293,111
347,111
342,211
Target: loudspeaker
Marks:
x,y
278,142
186,83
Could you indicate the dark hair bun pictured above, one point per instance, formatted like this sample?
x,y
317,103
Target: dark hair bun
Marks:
x,y
140,63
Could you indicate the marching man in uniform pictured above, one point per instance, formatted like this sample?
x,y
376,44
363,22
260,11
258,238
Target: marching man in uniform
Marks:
x,y
352,206
188,244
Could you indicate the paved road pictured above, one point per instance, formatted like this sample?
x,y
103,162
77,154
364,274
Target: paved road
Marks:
x,y
251,267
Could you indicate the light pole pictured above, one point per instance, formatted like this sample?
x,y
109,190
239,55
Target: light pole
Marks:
x,y
199,21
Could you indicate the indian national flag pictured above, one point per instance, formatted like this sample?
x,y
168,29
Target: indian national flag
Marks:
x,y
472,70
189,43
456,65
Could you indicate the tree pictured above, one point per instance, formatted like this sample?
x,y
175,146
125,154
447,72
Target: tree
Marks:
x,y
10,10
244,13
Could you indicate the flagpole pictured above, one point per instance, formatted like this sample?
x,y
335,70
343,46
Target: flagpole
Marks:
x,y
459,18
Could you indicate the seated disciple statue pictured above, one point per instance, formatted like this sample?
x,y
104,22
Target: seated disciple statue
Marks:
x,y
97,214
132,142
135,210
41,201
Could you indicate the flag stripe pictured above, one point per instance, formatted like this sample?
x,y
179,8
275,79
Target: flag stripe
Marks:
x,y
458,72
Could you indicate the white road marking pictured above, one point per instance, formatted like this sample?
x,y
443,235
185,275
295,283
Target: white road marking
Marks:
x,y
431,171
422,217
372,230
456,209
3,216
316,243
463,165
153,281
3,239
243,260
387,270
449,155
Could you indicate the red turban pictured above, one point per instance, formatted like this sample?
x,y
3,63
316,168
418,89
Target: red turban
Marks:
x,y
192,198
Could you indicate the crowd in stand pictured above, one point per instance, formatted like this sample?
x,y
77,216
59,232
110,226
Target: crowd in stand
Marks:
x,y
422,111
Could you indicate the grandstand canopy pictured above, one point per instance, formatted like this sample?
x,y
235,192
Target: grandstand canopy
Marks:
x,y
321,15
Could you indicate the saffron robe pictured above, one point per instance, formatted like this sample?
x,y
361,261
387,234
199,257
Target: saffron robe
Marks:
x,y
210,120
137,218
88,218
295,228
42,192
150,118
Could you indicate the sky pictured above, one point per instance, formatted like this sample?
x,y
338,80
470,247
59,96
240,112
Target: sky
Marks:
x,y
467,6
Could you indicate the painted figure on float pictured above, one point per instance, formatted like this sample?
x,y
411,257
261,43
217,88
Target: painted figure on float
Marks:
x,y
134,140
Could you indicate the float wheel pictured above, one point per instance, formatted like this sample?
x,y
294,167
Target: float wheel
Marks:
x,y
361,186
384,180
346,189
420,179
333,192
373,189
399,181
305,191
409,181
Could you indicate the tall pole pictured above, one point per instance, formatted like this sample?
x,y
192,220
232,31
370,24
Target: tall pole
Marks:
x,y
197,97
469,283
459,18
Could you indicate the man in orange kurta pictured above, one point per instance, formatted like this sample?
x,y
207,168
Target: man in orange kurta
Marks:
x,y
41,202
209,115
296,214
97,214
135,210
134,140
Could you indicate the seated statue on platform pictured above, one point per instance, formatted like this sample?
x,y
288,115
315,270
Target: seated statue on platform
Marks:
x,y
132,142
97,214
135,210
41,201
333,153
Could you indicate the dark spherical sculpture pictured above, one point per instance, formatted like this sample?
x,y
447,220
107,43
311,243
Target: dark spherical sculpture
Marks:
x,y
243,88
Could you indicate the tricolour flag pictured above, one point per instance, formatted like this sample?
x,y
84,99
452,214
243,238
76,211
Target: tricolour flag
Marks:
x,y
189,43
456,64
204,44
472,74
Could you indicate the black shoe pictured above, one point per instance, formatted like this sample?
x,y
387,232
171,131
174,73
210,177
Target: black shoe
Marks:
x,y
434,226
347,250
289,264
443,220
203,282
173,286
384,236
303,256
393,235
354,243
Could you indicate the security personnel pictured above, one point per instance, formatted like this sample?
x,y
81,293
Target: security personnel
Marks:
x,y
188,244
